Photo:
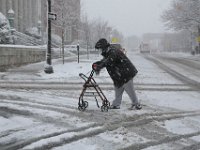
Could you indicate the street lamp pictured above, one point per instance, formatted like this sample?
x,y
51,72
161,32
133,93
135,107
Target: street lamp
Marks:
x,y
48,68
11,16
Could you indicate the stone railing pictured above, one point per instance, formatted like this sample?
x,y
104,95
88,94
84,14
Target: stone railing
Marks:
x,y
16,55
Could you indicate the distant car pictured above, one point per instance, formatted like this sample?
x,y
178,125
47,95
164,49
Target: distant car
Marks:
x,y
144,48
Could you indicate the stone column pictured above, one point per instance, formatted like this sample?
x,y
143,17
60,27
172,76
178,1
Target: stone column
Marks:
x,y
20,15
35,18
7,6
3,6
25,15
44,14
39,9
15,4
29,12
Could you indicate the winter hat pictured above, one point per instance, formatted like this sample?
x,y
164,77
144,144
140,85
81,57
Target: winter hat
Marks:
x,y
102,44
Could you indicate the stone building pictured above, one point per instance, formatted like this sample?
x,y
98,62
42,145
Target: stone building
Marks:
x,y
27,13
32,13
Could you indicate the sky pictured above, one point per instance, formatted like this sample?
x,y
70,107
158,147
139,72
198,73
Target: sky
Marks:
x,y
131,17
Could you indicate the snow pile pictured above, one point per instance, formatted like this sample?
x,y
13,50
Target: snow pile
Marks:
x,y
34,32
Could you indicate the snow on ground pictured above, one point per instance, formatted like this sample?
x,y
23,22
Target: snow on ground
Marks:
x,y
150,73
59,105
182,100
72,70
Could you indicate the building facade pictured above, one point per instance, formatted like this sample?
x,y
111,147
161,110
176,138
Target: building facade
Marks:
x,y
32,13
27,13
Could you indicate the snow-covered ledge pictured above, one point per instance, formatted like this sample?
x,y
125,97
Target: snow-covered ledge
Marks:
x,y
11,55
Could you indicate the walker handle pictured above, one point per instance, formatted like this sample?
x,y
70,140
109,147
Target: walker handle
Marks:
x,y
84,77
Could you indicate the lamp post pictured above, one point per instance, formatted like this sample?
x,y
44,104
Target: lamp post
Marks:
x,y
11,16
48,68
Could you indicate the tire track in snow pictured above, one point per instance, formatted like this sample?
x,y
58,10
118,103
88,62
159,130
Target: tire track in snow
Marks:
x,y
162,141
22,143
94,115
70,86
138,121
192,83
38,116
8,132
73,112
26,100
115,125
192,147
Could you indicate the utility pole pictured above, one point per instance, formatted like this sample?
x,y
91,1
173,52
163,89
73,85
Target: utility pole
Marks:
x,y
48,68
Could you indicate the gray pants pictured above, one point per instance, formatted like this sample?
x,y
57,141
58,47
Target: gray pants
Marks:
x,y
129,88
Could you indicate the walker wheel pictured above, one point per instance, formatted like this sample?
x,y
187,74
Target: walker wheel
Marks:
x,y
104,108
81,108
85,104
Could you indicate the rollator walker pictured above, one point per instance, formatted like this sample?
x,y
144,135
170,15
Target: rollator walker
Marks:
x,y
92,89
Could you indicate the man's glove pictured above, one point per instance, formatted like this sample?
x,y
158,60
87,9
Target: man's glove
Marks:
x,y
96,68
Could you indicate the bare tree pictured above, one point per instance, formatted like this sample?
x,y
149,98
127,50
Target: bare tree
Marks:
x,y
183,15
68,16
85,27
101,29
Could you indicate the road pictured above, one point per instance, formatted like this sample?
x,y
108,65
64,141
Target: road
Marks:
x,y
45,116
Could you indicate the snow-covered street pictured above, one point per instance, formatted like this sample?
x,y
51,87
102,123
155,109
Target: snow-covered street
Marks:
x,y
40,111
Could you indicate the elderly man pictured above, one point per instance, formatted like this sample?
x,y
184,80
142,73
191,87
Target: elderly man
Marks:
x,y
120,69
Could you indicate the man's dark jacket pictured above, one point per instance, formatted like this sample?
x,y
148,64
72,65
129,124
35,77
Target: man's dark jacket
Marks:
x,y
119,67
